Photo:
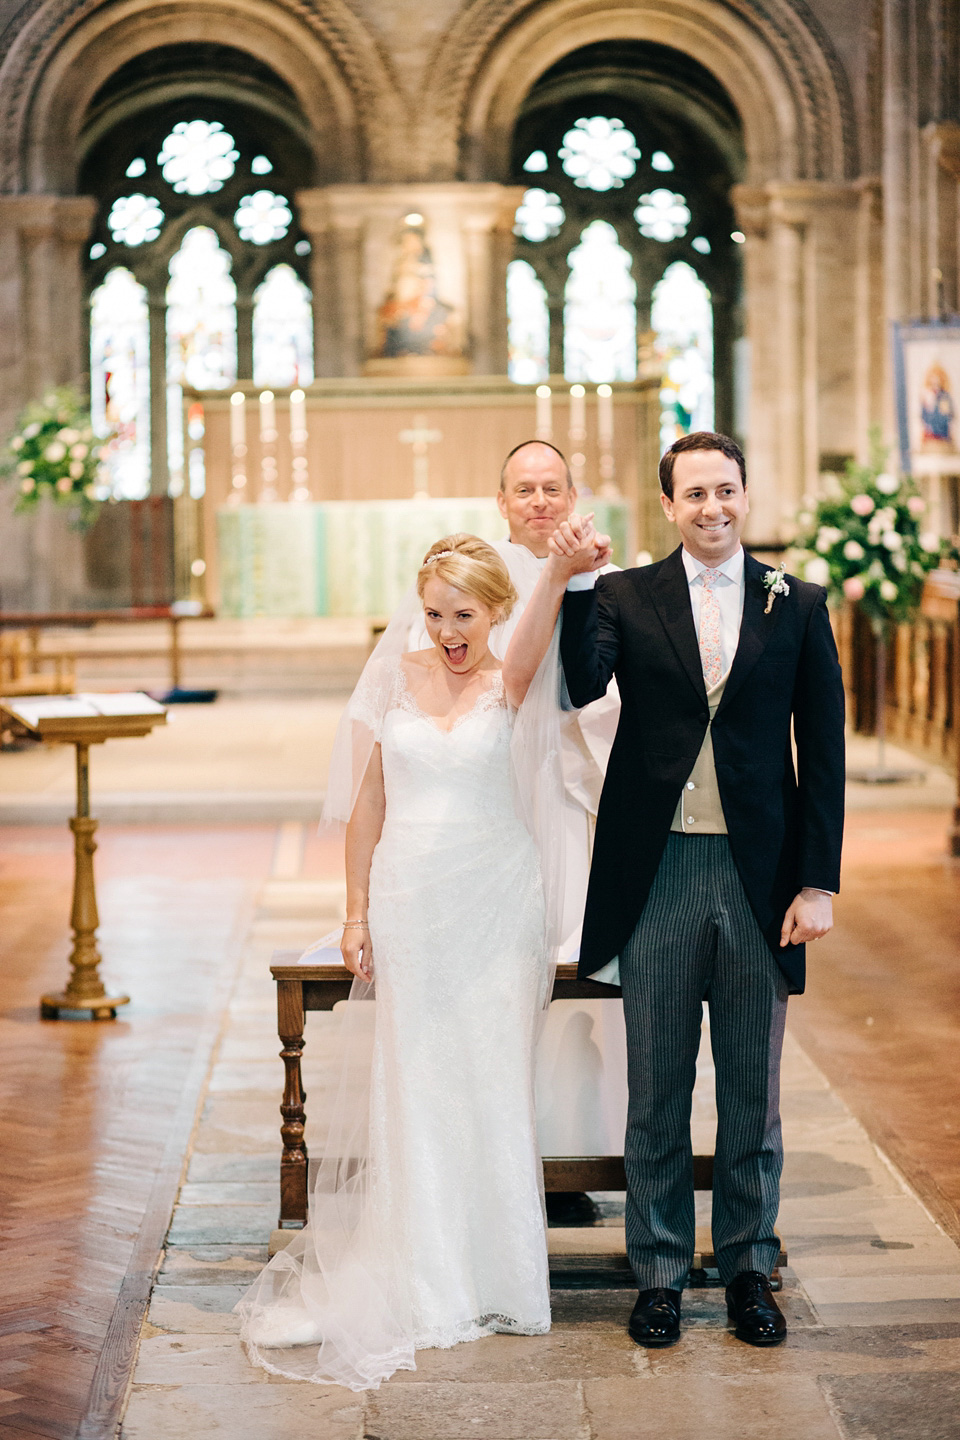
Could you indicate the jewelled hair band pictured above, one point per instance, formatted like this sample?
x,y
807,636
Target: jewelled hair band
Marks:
x,y
440,555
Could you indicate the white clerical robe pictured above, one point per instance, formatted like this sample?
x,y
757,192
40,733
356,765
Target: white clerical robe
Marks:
x,y
582,1061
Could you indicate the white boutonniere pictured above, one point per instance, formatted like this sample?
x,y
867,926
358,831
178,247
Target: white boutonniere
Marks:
x,y
776,583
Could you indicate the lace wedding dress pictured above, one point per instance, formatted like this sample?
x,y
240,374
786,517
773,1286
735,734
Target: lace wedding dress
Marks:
x,y
440,1237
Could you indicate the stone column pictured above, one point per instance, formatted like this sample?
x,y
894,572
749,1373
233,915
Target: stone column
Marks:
x,y
41,295
752,207
244,335
942,144
159,465
801,288
871,349
353,231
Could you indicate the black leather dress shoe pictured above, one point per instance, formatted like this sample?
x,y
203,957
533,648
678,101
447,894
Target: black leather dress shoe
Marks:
x,y
656,1317
753,1310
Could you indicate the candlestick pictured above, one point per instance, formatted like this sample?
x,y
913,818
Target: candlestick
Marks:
x,y
605,417
238,444
268,443
578,414
544,430
298,445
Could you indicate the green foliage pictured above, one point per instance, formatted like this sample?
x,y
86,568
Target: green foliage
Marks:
x,y
54,452
866,540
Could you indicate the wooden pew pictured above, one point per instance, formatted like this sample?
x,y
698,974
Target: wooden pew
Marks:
x,y
305,987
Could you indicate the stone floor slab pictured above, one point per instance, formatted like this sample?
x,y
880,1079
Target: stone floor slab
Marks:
x,y
814,1351
197,1360
567,1353
896,1407
206,1225
694,1406
195,1309
552,1411
266,1412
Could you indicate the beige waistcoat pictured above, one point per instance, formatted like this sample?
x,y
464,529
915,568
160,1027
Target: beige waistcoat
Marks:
x,y
699,811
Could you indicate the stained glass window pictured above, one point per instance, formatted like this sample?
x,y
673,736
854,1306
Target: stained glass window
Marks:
x,y
528,325
120,380
660,160
599,153
201,330
260,165
600,313
701,244
136,168
197,157
535,162
682,317
539,215
282,330
134,219
263,217
662,215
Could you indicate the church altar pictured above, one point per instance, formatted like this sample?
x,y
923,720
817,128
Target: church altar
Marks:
x,y
353,558
305,502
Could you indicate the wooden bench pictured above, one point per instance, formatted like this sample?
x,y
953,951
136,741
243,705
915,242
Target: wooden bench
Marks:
x,y
174,616
306,987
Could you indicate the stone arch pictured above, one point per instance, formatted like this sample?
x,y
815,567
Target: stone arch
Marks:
x,y
771,56
59,61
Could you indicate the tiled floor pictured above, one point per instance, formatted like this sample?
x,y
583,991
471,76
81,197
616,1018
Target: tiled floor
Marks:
x,y
872,1290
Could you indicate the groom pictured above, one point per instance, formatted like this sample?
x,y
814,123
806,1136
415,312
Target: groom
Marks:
x,y
714,862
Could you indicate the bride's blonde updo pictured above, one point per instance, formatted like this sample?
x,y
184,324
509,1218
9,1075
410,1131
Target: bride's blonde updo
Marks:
x,y
471,565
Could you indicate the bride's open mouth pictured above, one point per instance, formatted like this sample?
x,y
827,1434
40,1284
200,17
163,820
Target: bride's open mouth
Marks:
x,y
456,654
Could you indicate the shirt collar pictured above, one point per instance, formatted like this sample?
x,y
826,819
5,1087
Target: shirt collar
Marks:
x,y
732,568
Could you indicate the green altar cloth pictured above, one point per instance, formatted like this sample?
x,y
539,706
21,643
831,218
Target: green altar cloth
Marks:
x,y
344,557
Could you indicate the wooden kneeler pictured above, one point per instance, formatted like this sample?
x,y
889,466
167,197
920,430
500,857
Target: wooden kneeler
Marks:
x,y
305,987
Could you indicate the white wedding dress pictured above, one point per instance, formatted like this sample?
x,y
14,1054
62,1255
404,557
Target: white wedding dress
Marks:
x,y
441,1236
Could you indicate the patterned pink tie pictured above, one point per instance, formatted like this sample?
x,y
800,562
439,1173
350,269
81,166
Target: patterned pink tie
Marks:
x,y
710,629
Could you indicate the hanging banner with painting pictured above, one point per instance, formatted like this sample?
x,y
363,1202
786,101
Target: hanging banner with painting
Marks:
x,y
927,377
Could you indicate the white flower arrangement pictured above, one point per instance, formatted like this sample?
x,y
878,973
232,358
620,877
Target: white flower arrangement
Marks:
x,y
863,540
54,452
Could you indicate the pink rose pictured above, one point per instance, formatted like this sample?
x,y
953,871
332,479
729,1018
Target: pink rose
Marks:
x,y
916,505
861,505
854,587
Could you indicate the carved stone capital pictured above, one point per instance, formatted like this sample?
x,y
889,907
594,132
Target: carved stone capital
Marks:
x,y
67,218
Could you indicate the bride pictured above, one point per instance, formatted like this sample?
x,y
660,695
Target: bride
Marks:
x,y
426,1223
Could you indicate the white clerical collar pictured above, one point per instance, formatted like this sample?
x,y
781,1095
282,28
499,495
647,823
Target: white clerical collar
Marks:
x,y
732,568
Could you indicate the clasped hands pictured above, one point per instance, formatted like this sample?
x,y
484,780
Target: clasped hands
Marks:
x,y
576,548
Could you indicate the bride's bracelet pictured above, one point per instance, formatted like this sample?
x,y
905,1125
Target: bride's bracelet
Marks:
x,y
355,925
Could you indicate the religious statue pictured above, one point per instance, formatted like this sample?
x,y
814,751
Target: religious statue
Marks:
x,y
412,319
937,410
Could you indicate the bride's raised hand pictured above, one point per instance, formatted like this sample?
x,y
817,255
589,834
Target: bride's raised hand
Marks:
x,y
357,950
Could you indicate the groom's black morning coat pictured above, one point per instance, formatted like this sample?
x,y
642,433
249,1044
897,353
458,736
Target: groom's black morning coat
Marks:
x,y
785,827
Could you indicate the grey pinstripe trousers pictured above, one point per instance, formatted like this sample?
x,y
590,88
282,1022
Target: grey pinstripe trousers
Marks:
x,y
696,940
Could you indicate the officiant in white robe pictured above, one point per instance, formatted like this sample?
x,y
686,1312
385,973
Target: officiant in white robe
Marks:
x,y
582,1066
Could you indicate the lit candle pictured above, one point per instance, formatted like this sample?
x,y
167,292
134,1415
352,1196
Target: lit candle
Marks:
x,y
238,419
268,417
605,417
298,417
544,413
298,445
268,443
578,414
238,443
